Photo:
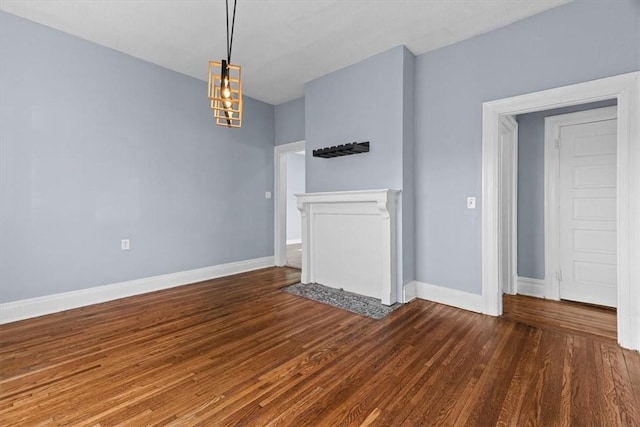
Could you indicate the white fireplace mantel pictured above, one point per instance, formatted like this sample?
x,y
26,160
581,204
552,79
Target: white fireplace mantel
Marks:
x,y
349,241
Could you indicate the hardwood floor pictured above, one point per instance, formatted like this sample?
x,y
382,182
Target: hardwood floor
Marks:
x,y
237,351
562,316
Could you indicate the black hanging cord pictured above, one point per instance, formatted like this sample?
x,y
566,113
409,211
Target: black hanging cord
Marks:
x,y
233,24
227,10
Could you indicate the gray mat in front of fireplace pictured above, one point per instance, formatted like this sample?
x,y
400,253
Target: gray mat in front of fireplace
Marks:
x,y
359,304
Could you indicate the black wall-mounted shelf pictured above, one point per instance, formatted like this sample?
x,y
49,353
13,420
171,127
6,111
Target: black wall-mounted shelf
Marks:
x,y
342,150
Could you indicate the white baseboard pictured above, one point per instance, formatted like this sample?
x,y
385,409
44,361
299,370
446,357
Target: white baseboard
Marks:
x,y
409,291
452,297
294,241
34,307
531,287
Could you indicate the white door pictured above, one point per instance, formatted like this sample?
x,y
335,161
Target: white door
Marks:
x,y
587,212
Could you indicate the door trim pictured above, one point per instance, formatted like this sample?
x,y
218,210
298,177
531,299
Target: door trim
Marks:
x,y
509,125
625,88
552,125
280,198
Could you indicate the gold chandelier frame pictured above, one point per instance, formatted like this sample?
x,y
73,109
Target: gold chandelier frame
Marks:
x,y
225,93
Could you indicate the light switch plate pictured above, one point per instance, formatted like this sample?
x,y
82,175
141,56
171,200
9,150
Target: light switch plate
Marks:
x,y
471,202
267,195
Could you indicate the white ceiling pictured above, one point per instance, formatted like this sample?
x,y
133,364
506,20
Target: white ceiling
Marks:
x,y
280,44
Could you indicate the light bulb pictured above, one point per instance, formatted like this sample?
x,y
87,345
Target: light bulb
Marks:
x,y
225,90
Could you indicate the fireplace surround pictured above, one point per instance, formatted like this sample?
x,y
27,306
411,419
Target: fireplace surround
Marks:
x,y
349,241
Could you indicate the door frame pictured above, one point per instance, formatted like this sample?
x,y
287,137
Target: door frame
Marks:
x,y
509,126
552,125
625,88
280,198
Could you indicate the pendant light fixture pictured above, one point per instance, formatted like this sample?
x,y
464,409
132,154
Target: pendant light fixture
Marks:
x,y
225,85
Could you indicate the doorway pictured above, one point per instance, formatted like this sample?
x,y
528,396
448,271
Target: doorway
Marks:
x,y
295,185
289,161
626,90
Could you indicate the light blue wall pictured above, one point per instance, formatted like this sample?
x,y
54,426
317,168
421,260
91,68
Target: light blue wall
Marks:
x,y
295,185
580,41
289,125
362,102
531,187
408,168
368,101
97,146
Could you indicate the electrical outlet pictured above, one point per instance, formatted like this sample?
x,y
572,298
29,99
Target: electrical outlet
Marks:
x,y
125,244
471,202
267,195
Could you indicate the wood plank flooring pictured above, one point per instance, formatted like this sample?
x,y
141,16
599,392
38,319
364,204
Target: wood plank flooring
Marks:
x,y
562,316
237,351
